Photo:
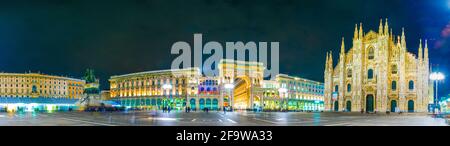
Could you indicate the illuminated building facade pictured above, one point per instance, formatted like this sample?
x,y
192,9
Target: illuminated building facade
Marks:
x,y
378,74
246,78
239,85
300,94
156,89
208,95
33,91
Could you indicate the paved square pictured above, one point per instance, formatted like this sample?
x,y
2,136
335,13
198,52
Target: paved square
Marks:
x,y
178,118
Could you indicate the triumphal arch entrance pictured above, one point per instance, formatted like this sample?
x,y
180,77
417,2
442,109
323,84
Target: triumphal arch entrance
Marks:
x,y
240,82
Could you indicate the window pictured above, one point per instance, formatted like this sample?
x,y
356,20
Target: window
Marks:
x,y
34,89
371,53
394,85
411,85
370,74
349,88
336,88
349,73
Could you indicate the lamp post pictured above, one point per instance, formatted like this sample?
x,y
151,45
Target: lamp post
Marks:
x,y
436,76
167,87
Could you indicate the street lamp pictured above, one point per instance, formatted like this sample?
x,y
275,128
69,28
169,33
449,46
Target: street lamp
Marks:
x,y
436,76
283,93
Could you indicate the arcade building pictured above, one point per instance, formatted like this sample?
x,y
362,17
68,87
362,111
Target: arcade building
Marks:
x,y
239,86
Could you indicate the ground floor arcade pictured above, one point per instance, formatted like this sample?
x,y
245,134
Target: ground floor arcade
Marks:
x,y
370,104
216,103
175,103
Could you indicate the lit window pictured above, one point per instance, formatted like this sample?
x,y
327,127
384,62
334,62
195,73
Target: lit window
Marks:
x,y
371,53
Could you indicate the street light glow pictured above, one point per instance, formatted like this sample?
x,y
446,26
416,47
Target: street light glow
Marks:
x,y
448,4
436,76
229,86
167,86
282,90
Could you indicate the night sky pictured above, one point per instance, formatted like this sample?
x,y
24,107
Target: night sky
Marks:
x,y
65,37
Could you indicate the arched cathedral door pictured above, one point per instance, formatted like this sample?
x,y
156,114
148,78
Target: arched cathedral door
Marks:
x,y
369,103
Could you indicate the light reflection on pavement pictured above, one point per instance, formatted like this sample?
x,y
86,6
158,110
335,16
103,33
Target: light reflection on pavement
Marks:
x,y
178,118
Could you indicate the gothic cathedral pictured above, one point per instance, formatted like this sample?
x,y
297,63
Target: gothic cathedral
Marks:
x,y
378,74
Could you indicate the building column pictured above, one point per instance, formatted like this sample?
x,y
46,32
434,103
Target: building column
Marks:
x,y
197,103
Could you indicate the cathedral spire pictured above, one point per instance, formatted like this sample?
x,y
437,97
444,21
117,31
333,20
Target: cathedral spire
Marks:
x,y
331,60
419,53
355,35
391,35
380,28
326,63
386,27
360,31
403,41
403,32
425,54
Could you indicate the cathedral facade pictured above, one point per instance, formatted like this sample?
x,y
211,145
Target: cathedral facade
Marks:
x,y
378,74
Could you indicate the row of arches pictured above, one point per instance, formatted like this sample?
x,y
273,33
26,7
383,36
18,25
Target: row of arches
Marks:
x,y
208,89
203,103
370,105
176,103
